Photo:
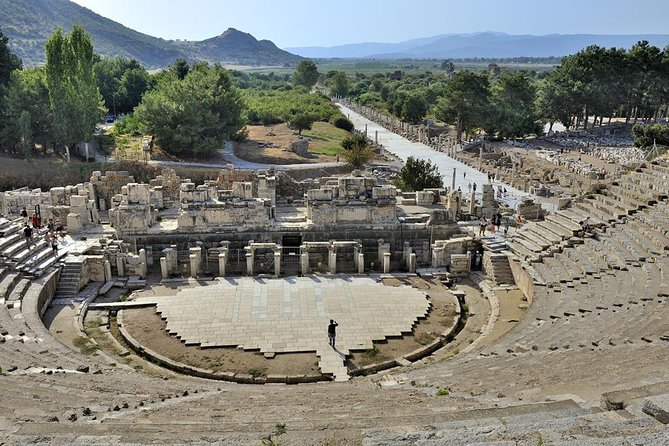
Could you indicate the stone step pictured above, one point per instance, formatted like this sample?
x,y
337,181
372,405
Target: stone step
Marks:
x,y
521,251
594,212
578,214
7,284
19,290
568,224
10,239
529,234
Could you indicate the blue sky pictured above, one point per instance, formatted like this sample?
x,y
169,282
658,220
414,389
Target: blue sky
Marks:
x,y
292,23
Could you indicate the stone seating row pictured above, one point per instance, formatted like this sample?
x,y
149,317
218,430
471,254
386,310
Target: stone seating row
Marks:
x,y
540,239
14,251
580,284
560,424
25,342
537,240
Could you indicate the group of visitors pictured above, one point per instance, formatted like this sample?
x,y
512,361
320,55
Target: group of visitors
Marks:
x,y
53,230
493,224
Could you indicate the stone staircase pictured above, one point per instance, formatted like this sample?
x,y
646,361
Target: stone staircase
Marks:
x,y
496,260
497,268
331,362
68,284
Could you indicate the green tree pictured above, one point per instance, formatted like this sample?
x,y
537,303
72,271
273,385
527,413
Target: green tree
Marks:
x,y
649,81
447,66
9,63
513,113
27,91
418,174
413,108
181,68
357,152
73,93
195,114
8,60
27,143
343,123
647,135
132,86
301,121
339,85
465,100
553,101
122,82
306,74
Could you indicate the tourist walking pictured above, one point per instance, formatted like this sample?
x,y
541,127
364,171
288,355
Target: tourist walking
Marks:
x,y
28,234
497,221
24,214
585,226
482,224
52,239
60,230
332,332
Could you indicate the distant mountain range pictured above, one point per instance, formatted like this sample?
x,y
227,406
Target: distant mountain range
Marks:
x,y
29,23
484,45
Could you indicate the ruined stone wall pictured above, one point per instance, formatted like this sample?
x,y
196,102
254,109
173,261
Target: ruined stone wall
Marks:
x,y
442,250
108,185
210,217
11,202
168,183
231,175
332,213
93,270
131,209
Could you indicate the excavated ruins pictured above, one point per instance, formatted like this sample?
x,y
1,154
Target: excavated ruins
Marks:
x,y
251,266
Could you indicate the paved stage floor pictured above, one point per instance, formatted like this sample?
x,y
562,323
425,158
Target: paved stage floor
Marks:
x,y
292,314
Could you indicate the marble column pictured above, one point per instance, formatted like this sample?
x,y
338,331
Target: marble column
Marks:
x,y
120,265
108,271
164,270
249,262
222,260
194,265
361,263
412,262
142,264
386,263
277,262
406,252
332,260
304,261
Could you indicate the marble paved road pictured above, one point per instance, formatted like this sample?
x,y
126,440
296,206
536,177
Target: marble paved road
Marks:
x,y
402,147
292,315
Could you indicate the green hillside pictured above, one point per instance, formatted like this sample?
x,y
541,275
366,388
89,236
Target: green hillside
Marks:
x,y
29,23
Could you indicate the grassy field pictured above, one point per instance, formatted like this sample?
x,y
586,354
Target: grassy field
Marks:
x,y
370,67
325,144
326,138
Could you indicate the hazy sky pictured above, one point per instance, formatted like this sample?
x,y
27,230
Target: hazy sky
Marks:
x,y
291,23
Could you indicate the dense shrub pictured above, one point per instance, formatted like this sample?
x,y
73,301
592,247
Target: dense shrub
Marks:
x,y
343,123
